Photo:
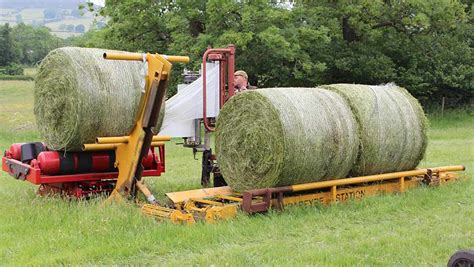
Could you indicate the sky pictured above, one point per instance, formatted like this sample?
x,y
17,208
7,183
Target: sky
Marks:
x,y
98,2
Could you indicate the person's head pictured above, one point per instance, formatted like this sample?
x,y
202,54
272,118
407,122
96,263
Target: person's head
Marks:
x,y
240,79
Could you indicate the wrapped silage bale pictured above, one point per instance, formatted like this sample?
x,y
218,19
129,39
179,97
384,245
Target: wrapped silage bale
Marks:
x,y
80,96
282,136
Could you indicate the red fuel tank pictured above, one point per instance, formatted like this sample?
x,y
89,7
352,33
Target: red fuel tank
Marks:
x,y
14,151
25,152
57,162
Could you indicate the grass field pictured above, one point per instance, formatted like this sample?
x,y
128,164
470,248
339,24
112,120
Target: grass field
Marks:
x,y
30,71
422,227
28,15
36,15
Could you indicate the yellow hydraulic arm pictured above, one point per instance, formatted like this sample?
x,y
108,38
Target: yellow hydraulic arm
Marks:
x,y
130,150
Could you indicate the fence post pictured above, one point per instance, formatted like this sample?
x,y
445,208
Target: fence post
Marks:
x,y
442,105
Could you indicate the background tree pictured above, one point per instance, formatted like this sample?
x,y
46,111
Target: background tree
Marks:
x,y
91,38
421,45
18,18
79,28
7,49
425,46
33,43
264,34
50,13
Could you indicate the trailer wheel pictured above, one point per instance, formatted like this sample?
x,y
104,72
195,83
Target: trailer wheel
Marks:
x,y
462,258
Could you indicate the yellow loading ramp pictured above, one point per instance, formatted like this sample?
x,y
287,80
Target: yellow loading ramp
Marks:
x,y
213,204
183,196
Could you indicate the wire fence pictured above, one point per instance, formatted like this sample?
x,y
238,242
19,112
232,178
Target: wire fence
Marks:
x,y
442,105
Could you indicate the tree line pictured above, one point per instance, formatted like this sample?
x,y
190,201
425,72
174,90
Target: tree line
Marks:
x,y
425,46
25,45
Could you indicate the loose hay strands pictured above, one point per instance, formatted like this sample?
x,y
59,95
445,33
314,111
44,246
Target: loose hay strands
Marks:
x,y
392,127
285,136
80,96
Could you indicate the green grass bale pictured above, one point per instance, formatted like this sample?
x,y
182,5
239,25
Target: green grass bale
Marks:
x,y
392,127
283,136
80,96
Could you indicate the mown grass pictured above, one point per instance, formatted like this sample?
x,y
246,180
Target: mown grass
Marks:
x,y
421,227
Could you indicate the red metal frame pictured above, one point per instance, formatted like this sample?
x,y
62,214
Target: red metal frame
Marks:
x,y
32,172
227,58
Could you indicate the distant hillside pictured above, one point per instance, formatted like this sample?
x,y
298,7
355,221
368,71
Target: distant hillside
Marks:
x,y
23,4
63,17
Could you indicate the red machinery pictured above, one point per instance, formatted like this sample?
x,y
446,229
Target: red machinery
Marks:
x,y
114,164
226,58
77,174
80,174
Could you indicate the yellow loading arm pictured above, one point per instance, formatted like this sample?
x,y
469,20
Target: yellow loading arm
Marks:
x,y
130,150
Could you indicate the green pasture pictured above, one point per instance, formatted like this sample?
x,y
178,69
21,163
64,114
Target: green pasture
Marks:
x,y
31,15
421,227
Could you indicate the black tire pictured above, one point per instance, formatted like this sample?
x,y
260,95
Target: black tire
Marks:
x,y
462,258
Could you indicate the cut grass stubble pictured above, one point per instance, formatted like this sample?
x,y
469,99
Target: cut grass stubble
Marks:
x,y
423,226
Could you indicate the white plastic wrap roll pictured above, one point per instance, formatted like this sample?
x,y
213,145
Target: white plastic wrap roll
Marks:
x,y
187,105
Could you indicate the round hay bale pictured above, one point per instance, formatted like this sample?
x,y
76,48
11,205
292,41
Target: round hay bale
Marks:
x,y
392,127
282,136
80,96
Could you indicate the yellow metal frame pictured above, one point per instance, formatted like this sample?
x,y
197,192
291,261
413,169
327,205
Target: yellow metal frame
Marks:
x,y
213,204
172,215
124,139
128,148
360,187
112,146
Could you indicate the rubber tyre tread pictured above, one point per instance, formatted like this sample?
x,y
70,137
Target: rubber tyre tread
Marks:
x,y
466,256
